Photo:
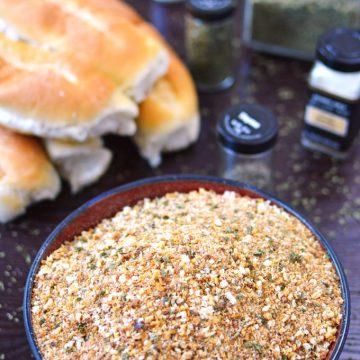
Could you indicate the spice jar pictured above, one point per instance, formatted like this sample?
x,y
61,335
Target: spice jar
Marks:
x,y
209,34
247,134
332,115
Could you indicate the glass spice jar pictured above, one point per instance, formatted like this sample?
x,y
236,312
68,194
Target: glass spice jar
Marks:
x,y
209,35
247,134
332,114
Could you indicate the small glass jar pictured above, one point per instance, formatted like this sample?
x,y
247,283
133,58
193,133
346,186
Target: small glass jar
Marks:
x,y
247,134
332,114
209,35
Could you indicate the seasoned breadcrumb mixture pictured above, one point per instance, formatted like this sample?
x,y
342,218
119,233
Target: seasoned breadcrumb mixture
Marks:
x,y
189,276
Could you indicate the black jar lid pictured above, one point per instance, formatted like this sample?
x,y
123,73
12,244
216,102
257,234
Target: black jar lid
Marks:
x,y
211,10
339,49
248,129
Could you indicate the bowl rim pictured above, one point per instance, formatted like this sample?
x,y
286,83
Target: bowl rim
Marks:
x,y
345,292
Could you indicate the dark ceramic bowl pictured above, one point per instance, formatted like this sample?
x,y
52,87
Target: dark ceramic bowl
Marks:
x,y
109,203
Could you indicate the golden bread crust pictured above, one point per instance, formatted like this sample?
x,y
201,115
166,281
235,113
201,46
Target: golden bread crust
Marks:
x,y
23,162
63,28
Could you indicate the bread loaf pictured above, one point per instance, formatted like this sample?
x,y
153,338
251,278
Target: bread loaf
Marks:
x,y
131,59
26,175
169,118
53,95
73,70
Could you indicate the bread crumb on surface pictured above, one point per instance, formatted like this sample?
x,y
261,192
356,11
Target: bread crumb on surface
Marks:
x,y
189,276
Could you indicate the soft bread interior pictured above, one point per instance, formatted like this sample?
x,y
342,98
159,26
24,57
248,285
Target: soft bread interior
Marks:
x,y
80,164
151,146
53,95
26,175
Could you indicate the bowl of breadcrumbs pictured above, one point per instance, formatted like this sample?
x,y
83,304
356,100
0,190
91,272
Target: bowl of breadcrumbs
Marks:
x,y
186,267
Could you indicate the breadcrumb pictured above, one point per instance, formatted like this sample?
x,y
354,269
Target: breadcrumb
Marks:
x,y
189,276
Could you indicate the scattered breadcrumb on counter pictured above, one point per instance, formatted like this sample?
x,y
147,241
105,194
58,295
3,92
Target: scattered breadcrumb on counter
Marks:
x,y
189,276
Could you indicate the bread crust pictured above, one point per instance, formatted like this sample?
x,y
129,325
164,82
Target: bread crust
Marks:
x,y
122,54
54,95
26,174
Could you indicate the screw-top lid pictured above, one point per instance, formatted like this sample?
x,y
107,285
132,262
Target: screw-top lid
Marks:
x,y
248,129
211,9
339,49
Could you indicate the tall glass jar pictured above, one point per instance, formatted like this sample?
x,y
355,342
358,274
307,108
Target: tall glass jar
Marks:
x,y
209,35
247,134
332,114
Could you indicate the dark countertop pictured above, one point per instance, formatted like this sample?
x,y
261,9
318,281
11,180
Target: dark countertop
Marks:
x,y
326,191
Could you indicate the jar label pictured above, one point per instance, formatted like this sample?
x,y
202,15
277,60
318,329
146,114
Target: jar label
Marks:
x,y
331,121
326,120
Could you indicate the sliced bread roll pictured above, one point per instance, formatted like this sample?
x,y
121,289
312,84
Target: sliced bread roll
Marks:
x,y
169,117
133,60
80,164
26,175
53,95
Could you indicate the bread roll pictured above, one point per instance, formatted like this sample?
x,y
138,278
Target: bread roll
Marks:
x,y
169,118
133,60
26,175
80,164
53,95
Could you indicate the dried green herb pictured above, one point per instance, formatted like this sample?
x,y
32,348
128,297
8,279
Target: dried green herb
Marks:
x,y
294,257
259,252
81,327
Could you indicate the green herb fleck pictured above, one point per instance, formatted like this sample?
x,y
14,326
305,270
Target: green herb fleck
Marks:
x,y
259,252
262,319
294,257
250,215
253,345
249,230
42,321
82,327
164,259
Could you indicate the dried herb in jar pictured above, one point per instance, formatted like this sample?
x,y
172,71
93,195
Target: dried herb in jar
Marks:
x,y
209,33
